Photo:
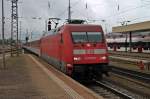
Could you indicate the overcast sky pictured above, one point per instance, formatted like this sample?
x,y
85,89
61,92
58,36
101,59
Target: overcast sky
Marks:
x,y
113,11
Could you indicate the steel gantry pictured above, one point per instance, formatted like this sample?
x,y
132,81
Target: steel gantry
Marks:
x,y
14,27
3,36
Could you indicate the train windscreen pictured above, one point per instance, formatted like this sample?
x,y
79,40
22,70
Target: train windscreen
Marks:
x,y
82,37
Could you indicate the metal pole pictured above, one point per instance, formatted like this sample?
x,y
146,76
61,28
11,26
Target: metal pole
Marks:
x,y
126,45
20,35
104,21
20,31
11,54
3,37
27,35
69,12
17,27
130,41
14,27
126,42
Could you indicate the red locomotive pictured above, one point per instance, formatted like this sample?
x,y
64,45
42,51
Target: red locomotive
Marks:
x,y
76,49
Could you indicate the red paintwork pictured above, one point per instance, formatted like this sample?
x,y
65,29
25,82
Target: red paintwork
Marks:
x,y
51,45
87,58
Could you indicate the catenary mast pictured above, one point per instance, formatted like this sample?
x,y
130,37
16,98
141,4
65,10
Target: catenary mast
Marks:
x,y
69,12
14,27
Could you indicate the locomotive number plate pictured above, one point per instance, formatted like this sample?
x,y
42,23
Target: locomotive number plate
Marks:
x,y
90,51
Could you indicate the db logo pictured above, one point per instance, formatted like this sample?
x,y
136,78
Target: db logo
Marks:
x,y
88,45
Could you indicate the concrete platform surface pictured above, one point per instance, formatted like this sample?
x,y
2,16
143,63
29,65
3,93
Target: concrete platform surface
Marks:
x,y
26,78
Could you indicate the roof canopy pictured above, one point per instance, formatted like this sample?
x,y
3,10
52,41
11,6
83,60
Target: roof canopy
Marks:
x,y
143,26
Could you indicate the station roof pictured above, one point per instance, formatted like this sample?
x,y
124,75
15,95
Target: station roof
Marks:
x,y
143,26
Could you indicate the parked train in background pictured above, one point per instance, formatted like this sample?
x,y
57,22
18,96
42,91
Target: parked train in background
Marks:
x,y
78,50
119,42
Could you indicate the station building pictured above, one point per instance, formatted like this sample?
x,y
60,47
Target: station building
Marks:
x,y
132,38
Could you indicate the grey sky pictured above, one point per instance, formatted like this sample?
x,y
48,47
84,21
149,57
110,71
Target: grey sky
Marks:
x,y
133,10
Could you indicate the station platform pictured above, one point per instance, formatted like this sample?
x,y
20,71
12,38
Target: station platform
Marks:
x,y
128,63
28,77
139,62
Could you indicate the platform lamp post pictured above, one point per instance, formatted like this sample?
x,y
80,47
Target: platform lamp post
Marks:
x,y
20,32
3,37
124,23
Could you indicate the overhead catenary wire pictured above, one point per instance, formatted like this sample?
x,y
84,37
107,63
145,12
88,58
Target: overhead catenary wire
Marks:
x,y
65,11
130,9
146,0
110,16
140,18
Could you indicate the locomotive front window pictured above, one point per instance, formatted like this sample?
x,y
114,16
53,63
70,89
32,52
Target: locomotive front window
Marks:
x,y
94,36
81,37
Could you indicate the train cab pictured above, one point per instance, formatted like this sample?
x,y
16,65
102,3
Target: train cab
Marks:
x,y
88,49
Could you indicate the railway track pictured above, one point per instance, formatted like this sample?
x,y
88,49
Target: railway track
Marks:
x,y
131,89
132,55
5,52
108,91
8,51
143,77
121,88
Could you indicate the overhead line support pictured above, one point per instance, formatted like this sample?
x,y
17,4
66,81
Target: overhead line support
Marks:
x,y
14,27
3,36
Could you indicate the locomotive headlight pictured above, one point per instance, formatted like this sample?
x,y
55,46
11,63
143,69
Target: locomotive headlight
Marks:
x,y
76,58
104,58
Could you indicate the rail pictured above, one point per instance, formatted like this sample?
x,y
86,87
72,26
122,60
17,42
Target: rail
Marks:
x,y
138,62
131,54
130,73
115,91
